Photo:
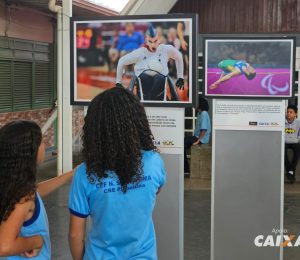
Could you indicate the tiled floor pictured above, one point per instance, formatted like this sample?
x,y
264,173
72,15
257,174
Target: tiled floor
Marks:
x,y
197,218
197,223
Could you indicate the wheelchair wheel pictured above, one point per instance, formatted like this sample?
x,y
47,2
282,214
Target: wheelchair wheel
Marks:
x,y
132,83
134,87
138,89
173,92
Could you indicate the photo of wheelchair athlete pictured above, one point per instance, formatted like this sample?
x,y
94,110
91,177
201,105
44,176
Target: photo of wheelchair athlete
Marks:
x,y
152,79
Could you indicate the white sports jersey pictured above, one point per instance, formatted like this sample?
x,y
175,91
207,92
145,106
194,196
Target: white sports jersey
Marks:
x,y
142,58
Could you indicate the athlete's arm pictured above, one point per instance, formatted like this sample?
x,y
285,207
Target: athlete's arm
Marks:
x,y
229,76
176,55
180,32
10,241
130,58
225,77
222,74
76,236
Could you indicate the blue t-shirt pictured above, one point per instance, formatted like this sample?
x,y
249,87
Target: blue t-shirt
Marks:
x,y
203,123
37,225
129,43
121,223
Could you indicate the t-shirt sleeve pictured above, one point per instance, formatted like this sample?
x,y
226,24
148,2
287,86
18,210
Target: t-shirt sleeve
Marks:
x,y
204,122
162,177
298,129
78,199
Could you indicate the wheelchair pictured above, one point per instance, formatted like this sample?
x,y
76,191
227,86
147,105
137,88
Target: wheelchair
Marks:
x,y
152,85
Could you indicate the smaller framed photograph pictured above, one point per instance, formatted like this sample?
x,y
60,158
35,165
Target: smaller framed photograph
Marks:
x,y
254,67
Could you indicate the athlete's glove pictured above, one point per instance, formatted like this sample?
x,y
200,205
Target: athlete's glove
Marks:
x,y
119,85
180,83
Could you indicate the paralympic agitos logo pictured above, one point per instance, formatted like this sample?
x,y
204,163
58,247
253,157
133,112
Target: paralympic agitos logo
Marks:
x,y
271,88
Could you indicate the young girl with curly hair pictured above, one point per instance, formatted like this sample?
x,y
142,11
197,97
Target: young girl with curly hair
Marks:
x,y
24,230
116,186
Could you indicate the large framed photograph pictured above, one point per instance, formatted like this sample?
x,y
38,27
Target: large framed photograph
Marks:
x,y
153,56
249,67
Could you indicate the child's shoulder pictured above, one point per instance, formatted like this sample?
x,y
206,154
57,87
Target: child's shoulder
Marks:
x,y
81,169
27,198
296,122
203,113
149,152
25,207
150,155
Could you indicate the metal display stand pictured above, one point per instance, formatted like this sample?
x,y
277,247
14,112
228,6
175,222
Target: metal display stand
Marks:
x,y
247,178
167,126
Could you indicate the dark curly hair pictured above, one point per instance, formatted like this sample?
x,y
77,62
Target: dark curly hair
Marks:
x,y
19,144
115,131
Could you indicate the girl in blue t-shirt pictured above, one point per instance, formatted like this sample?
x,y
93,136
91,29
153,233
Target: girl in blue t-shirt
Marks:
x,y
201,133
24,230
116,186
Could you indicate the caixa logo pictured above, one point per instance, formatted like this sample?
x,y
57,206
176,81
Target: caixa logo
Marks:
x,y
277,241
263,123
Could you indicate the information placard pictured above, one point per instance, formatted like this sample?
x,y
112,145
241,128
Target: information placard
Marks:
x,y
249,114
167,126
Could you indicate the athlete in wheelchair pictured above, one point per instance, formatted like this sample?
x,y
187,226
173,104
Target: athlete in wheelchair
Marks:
x,y
151,79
